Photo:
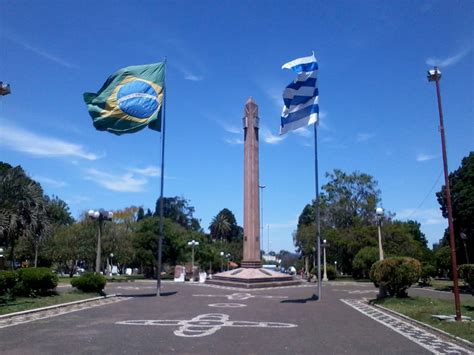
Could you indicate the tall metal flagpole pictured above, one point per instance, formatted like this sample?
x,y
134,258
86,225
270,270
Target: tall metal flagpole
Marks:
x,y
318,227
160,235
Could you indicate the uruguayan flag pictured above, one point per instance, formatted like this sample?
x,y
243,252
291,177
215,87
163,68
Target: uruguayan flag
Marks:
x,y
300,98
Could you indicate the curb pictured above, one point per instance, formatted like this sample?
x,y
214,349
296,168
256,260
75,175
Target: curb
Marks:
x,y
35,310
464,341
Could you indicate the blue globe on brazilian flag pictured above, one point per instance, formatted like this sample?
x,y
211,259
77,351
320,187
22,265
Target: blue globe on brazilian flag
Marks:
x,y
130,99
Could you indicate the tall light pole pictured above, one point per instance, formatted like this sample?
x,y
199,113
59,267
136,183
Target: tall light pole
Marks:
x,y
261,187
435,75
325,275
101,216
379,216
193,243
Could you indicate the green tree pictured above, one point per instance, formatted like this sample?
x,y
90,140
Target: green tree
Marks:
x,y
178,210
351,198
462,197
21,201
72,245
363,262
220,227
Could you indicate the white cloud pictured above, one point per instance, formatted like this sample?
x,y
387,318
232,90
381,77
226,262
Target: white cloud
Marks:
x,y
231,129
430,216
303,132
76,200
192,77
42,53
364,137
425,157
24,141
445,62
150,171
234,141
121,183
269,137
48,181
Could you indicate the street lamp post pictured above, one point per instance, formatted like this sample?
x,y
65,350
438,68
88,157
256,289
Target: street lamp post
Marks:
x,y
101,216
435,75
222,260
325,275
193,243
335,266
261,187
379,216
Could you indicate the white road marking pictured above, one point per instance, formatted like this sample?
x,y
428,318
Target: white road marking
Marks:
x,y
241,296
227,305
416,334
206,324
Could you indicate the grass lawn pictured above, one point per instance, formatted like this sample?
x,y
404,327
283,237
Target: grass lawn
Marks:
x,y
25,303
422,308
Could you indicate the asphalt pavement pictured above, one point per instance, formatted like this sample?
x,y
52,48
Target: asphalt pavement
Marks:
x,y
204,319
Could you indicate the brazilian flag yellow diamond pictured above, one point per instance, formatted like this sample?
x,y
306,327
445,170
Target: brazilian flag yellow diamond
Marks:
x,y
130,100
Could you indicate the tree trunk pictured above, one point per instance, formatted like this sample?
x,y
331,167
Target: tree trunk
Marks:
x,y
36,253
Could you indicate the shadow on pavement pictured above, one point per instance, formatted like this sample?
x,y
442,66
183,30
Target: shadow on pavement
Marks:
x,y
304,300
163,294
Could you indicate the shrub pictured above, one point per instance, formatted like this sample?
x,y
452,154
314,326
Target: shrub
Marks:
x,y
427,272
466,272
35,281
330,272
7,282
396,274
89,282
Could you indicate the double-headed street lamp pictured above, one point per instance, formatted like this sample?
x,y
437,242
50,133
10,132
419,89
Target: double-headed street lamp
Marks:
x,y
101,216
435,75
193,243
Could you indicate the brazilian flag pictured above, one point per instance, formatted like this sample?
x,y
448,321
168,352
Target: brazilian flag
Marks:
x,y
130,99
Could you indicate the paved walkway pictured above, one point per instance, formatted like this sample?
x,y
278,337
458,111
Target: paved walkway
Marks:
x,y
200,319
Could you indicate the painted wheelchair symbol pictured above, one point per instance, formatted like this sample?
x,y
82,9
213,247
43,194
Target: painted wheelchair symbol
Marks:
x,y
206,324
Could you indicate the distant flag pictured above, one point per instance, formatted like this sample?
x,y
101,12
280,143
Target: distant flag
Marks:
x,y
300,98
130,99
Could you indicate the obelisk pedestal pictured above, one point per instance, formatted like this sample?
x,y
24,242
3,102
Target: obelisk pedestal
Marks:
x,y
251,274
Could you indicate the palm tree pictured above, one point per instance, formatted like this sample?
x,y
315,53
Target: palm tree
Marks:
x,y
20,202
220,227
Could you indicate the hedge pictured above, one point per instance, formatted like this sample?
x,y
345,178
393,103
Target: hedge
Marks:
x,y
35,281
89,282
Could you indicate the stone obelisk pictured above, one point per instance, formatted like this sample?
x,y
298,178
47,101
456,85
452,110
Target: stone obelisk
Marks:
x,y
250,274
251,255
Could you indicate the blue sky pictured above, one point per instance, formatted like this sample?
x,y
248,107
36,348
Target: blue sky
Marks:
x,y
378,112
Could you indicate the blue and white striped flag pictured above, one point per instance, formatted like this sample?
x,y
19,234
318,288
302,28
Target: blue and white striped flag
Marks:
x,y
300,98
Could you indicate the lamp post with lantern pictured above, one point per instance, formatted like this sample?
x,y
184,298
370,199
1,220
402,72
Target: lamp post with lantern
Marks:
x,y
100,216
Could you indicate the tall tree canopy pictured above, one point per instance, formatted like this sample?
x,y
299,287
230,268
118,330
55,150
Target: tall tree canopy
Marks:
x,y
462,197
348,223
224,227
178,210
